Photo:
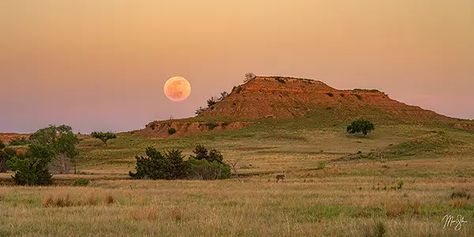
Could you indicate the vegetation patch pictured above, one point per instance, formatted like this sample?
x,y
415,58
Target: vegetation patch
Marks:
x,y
170,165
104,136
360,126
171,131
19,142
433,143
281,80
81,182
211,125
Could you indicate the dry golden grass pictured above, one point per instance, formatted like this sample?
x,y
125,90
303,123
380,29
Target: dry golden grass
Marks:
x,y
348,198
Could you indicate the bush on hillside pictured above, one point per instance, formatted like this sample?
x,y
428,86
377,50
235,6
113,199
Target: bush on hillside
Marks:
x,y
200,110
104,136
360,126
210,102
211,125
223,95
171,131
249,76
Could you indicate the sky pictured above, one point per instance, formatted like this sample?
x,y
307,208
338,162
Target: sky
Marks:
x,y
101,65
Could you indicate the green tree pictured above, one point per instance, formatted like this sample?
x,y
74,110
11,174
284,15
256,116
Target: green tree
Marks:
x,y
32,168
200,152
360,126
203,169
157,165
171,165
61,141
176,168
5,155
104,136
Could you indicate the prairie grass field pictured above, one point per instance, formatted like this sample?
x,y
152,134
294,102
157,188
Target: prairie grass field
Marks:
x,y
398,181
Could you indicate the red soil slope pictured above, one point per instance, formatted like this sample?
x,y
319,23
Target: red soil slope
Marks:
x,y
281,97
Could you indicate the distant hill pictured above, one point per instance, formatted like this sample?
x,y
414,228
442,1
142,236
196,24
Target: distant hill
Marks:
x,y
284,97
7,137
273,97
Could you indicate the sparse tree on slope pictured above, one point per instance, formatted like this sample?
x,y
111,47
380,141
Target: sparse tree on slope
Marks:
x,y
104,136
360,126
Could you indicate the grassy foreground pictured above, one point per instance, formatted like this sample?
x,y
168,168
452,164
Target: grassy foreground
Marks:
x,y
399,184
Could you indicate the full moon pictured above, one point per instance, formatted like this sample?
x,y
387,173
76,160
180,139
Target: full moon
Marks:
x,y
177,88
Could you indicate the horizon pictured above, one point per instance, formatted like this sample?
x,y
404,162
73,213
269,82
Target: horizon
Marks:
x,y
102,65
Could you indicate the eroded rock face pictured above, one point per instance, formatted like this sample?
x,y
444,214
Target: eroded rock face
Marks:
x,y
282,97
186,128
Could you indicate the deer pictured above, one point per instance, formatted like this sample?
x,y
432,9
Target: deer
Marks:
x,y
280,177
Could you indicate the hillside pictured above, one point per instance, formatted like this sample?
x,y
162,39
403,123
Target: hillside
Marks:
x,y
7,137
290,98
282,97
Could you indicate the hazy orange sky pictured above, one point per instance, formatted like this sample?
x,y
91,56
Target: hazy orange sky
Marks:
x,y
101,65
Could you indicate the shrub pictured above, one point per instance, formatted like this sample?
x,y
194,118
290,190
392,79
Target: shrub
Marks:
x,y
32,168
171,165
211,102
321,165
104,136
3,161
360,126
237,89
171,131
223,95
200,110
330,94
249,76
281,80
460,194
155,165
211,125
379,230
81,182
2,145
5,155
204,169
19,142
201,153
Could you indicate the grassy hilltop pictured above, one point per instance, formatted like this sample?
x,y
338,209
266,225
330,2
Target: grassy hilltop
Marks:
x,y
400,180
